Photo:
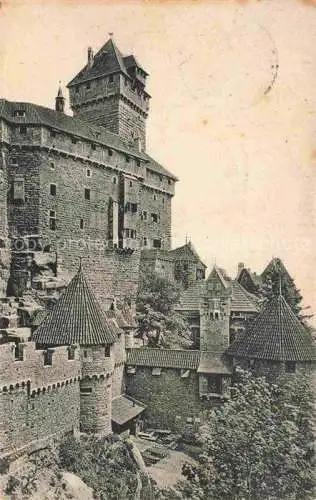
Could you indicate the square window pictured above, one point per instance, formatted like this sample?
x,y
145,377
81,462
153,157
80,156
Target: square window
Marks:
x,y
111,79
145,241
157,243
93,147
290,367
154,217
52,165
130,184
76,89
88,172
114,180
81,224
52,220
20,113
138,163
74,140
88,86
107,351
127,159
155,197
53,189
169,182
133,208
87,194
23,129
110,152
53,133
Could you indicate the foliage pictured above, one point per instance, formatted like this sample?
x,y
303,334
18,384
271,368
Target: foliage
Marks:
x,y
157,319
105,465
258,445
276,277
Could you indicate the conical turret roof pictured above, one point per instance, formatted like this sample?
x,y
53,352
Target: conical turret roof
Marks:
x,y
77,318
276,334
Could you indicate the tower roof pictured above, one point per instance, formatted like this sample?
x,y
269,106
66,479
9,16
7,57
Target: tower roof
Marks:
x,y
187,252
107,60
77,318
277,335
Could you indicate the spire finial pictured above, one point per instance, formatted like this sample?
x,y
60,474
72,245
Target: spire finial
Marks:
x,y
60,100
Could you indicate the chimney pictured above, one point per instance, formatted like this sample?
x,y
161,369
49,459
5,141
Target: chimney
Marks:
x,y
90,57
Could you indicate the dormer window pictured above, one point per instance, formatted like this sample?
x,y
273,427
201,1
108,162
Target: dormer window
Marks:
x,y
20,113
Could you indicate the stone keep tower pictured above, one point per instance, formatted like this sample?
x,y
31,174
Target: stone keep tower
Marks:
x,y
110,92
77,318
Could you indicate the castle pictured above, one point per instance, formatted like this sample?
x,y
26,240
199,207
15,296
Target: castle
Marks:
x,y
84,186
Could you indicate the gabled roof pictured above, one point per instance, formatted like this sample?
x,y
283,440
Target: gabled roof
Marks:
x,y
275,334
187,252
107,60
241,300
222,275
163,358
76,318
191,296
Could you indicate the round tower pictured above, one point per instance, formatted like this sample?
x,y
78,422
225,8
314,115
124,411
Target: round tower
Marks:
x,y
274,343
77,318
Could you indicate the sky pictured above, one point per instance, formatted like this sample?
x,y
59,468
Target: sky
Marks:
x,y
233,110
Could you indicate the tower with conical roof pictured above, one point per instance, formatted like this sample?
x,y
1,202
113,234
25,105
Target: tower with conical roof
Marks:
x,y
110,92
77,319
275,342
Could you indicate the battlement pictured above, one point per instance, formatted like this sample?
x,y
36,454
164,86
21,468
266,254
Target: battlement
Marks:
x,y
24,364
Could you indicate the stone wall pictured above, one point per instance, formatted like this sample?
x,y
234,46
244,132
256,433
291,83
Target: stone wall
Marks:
x,y
171,400
38,401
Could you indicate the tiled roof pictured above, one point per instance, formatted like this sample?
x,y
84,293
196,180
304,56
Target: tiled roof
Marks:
x,y
154,253
187,251
77,318
221,273
190,297
213,363
241,300
40,115
275,334
124,408
106,61
163,358
157,167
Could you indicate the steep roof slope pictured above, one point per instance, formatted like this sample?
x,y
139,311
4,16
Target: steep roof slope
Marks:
x,y
241,300
77,318
188,252
107,60
276,334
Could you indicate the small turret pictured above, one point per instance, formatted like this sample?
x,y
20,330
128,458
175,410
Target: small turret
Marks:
x,y
60,101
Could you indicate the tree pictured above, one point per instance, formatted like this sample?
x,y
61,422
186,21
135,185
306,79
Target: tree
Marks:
x,y
157,319
258,445
275,278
